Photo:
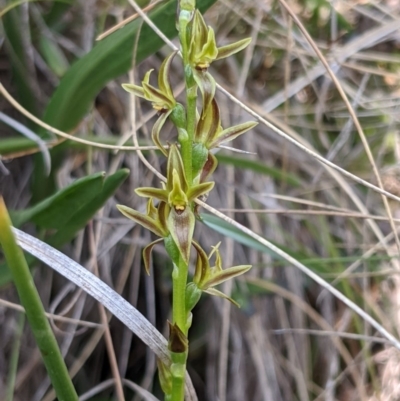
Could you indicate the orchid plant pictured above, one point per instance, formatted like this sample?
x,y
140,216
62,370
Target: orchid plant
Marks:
x,y
190,163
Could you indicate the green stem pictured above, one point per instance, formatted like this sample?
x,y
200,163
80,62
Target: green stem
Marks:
x,y
178,367
35,313
178,370
179,279
16,347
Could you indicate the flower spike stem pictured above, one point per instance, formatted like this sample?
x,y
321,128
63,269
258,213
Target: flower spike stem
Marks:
x,y
188,169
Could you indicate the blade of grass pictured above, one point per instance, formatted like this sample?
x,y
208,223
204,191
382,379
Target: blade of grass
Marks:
x,y
35,313
12,370
319,280
100,291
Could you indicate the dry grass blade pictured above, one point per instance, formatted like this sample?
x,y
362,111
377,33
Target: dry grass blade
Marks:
x,y
351,111
308,272
92,285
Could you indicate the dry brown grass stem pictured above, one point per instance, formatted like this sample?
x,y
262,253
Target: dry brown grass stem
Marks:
x,y
52,316
351,111
364,315
310,212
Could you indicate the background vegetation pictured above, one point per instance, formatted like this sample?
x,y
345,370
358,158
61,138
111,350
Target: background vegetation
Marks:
x,y
291,339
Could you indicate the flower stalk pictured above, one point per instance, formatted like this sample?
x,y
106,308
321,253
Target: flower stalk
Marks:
x,y
190,163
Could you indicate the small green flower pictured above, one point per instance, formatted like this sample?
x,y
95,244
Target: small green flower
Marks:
x,y
162,99
203,49
178,196
210,134
207,277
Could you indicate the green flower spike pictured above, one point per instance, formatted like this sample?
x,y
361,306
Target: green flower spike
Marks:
x,y
206,277
154,220
162,100
179,196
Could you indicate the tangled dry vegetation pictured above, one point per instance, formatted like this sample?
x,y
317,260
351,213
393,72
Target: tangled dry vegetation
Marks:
x,y
291,339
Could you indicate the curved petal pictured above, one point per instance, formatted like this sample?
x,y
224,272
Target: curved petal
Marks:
x,y
213,291
208,124
207,86
202,269
163,76
147,254
209,167
155,132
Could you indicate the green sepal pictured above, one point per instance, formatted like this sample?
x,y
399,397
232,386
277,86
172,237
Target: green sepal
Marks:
x,y
175,163
149,192
224,275
231,133
199,158
198,190
228,50
136,90
181,224
147,255
209,51
193,295
142,219
177,197
165,377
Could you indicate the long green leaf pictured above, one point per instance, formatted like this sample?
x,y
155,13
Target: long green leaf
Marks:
x,y
227,229
109,59
56,211
35,312
85,213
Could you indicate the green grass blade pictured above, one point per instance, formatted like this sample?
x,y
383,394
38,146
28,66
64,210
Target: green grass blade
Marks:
x,y
109,59
58,210
35,313
84,214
